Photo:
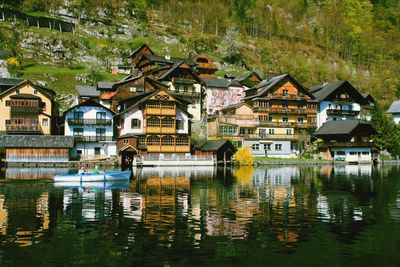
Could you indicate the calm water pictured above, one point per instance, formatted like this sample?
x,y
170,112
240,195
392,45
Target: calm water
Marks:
x,y
275,216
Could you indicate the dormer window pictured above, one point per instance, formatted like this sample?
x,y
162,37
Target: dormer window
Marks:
x,y
285,92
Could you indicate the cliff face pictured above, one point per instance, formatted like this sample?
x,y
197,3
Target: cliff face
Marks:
x,y
316,41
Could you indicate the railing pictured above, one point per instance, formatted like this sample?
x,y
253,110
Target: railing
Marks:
x,y
89,121
183,93
342,112
241,120
291,124
92,138
160,111
25,110
346,144
277,136
22,128
175,157
160,130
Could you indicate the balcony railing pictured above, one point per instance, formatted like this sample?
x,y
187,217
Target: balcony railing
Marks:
x,y
240,120
89,121
304,137
24,110
288,124
342,112
22,128
92,138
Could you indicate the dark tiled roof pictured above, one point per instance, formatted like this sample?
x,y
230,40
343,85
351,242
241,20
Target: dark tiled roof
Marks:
x,y
233,106
246,75
10,81
212,145
394,107
37,141
323,92
340,127
105,85
88,91
215,82
138,49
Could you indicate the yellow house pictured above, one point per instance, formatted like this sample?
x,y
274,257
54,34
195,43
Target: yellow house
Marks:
x,y
27,108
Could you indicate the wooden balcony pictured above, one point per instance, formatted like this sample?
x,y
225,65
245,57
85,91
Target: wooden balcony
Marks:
x,y
23,128
23,110
288,124
168,149
342,112
240,120
274,110
299,137
160,111
73,121
160,130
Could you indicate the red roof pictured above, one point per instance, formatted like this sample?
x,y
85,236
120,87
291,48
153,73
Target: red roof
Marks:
x,y
107,95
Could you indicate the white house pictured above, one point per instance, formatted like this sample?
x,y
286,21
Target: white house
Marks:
x,y
93,128
394,110
341,101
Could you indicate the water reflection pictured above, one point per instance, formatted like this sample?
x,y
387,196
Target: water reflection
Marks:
x,y
208,215
33,173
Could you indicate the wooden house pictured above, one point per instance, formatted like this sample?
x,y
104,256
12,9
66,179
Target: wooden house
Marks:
x,y
158,121
222,150
347,140
35,148
249,79
28,108
137,54
205,67
286,114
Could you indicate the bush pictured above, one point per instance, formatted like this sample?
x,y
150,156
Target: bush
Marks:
x,y
244,157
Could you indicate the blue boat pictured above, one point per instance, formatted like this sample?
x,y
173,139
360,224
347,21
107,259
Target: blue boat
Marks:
x,y
90,177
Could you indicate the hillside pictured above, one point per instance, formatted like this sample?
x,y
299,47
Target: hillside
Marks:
x,y
315,41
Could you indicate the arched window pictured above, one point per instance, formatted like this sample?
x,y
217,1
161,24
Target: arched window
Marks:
x,y
167,141
167,122
153,122
153,140
182,141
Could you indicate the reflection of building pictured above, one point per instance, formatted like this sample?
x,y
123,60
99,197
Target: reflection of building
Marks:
x,y
33,173
358,170
3,216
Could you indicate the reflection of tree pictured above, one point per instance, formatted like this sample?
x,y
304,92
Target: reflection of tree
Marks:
x,y
244,174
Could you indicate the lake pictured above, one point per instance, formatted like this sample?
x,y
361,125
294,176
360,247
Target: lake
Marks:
x,y
332,215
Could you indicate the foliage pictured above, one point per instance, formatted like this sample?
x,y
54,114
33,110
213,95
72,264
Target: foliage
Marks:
x,y
244,156
388,133
244,174
230,46
13,66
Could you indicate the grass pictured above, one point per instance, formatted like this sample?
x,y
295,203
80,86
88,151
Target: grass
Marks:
x,y
61,79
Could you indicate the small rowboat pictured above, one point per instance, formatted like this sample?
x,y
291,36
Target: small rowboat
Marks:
x,y
104,185
89,177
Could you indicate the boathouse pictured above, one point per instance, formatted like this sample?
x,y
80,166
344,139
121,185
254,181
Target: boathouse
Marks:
x,y
222,150
35,148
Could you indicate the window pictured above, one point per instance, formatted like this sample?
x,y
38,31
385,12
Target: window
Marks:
x,y
79,152
126,141
285,119
182,141
278,147
268,146
101,115
35,92
153,122
262,133
179,124
365,153
78,114
45,122
285,104
285,92
271,131
353,153
289,131
153,140
300,119
100,134
227,130
97,151
270,118
78,131
135,123
17,91
255,146
167,141
185,88
167,122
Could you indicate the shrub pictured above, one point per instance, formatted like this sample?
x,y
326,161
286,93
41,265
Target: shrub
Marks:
x,y
244,157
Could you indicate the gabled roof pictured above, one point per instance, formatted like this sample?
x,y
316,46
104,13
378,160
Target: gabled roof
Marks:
x,y
37,141
167,60
140,48
394,107
216,82
127,79
87,91
324,92
344,127
242,77
270,84
45,91
10,82
105,85
213,145
139,99
89,103
235,106
175,67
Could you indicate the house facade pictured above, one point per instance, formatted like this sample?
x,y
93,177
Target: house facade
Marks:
x,y
92,127
347,140
154,123
27,108
286,116
394,111
341,101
